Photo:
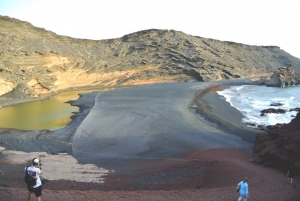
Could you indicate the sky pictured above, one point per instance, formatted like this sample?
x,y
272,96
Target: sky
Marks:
x,y
251,22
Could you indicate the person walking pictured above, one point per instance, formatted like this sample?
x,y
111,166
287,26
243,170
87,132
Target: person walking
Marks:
x,y
243,190
35,170
290,174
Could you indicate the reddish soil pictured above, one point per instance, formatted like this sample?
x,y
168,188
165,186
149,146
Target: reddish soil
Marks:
x,y
210,174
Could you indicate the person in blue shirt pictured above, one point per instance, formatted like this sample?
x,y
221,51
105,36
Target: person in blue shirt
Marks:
x,y
243,186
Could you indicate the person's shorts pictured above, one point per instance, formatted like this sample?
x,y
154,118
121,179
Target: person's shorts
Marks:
x,y
37,191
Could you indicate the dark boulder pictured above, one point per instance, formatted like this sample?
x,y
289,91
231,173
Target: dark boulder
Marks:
x,y
272,110
280,146
295,109
276,104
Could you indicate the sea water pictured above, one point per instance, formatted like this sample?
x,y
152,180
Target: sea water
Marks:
x,y
251,99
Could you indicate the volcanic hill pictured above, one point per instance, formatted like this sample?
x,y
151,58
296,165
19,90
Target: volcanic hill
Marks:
x,y
35,62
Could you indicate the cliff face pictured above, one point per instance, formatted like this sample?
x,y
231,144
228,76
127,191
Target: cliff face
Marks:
x,y
284,77
281,146
36,61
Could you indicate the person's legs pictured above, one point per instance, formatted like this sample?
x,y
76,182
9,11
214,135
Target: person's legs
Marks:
x,y
29,196
242,198
30,192
291,180
38,193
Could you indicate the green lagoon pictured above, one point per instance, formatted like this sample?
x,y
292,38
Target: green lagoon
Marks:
x,y
49,114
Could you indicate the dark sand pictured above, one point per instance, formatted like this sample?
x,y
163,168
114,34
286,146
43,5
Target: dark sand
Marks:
x,y
204,164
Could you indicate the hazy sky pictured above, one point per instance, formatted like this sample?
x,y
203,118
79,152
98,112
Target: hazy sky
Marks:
x,y
252,22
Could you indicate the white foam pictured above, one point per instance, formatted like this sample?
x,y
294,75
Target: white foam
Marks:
x,y
251,99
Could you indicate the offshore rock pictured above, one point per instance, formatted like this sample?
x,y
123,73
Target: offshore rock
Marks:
x,y
284,77
280,146
276,104
47,63
272,110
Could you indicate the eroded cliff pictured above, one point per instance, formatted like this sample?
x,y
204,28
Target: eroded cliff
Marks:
x,y
284,77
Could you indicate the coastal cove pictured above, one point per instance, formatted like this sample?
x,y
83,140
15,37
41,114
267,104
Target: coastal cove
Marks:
x,y
63,138
184,161
149,114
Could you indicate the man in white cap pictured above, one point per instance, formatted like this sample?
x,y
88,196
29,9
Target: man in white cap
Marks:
x,y
34,170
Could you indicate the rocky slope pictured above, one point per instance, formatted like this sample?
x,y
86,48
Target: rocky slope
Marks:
x,y
284,77
34,61
280,147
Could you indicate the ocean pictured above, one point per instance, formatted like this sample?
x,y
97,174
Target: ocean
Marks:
x,y
251,99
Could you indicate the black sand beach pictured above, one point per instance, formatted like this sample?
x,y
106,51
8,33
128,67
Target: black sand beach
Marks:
x,y
153,121
161,147
140,123
215,109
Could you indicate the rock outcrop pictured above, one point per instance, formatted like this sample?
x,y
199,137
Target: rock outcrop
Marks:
x,y
284,77
44,62
281,146
272,110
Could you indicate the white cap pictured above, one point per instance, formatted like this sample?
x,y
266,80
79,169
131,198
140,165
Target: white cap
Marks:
x,y
35,160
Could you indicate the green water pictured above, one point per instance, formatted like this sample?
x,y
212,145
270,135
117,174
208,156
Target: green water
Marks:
x,y
49,114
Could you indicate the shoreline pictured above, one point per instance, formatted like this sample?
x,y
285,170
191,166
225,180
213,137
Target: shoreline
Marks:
x,y
59,141
6,102
215,109
151,177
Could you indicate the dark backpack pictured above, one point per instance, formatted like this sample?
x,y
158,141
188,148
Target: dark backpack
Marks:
x,y
29,180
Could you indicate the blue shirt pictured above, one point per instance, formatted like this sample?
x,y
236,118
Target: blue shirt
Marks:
x,y
243,188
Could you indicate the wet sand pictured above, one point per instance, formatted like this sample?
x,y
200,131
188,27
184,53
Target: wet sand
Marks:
x,y
166,151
